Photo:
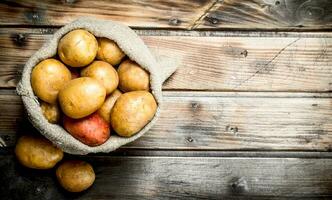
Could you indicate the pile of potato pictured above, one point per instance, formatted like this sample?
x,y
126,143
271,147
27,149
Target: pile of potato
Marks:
x,y
84,92
90,88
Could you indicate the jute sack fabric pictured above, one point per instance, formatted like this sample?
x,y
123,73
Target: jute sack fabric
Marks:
x,y
160,68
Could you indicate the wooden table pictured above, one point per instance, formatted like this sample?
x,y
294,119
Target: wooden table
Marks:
x,y
248,114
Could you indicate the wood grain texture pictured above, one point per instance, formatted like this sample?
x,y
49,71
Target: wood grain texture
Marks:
x,y
161,14
269,14
219,121
180,178
215,61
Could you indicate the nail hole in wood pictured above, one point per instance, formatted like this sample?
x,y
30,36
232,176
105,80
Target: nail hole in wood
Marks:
x,y
277,3
190,139
244,53
239,185
212,20
174,22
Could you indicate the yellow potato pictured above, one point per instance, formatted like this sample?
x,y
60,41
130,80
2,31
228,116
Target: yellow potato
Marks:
x,y
75,176
37,152
109,51
132,111
132,77
51,112
81,97
47,78
78,48
105,110
104,73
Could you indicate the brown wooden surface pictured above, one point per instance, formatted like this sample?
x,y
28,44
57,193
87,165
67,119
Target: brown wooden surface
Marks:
x,y
269,14
225,63
181,178
246,116
222,121
147,14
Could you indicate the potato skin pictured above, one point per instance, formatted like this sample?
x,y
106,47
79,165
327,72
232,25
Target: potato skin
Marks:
x,y
104,73
132,77
132,111
78,48
51,112
81,97
92,130
109,51
47,78
37,152
105,110
75,175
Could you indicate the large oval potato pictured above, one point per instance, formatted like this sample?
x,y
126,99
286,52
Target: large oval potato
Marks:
x,y
51,112
47,78
109,51
75,176
105,110
132,111
37,152
78,48
81,97
104,73
92,130
132,77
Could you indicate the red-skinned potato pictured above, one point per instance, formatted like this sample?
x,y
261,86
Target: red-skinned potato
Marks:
x,y
92,130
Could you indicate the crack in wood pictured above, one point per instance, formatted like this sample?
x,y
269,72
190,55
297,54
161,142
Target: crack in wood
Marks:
x,y
196,22
264,67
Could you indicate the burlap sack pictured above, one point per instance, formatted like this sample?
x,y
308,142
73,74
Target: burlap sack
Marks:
x,y
160,69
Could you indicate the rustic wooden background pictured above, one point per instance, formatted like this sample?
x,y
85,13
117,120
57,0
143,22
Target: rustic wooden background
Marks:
x,y
248,114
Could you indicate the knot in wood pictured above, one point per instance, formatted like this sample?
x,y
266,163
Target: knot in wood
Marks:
x,y
19,39
212,20
239,185
174,21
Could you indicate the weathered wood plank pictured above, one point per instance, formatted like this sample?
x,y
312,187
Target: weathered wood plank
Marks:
x,y
180,178
161,14
219,121
269,14
223,62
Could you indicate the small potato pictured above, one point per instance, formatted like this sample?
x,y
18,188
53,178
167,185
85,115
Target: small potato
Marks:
x,y
47,78
132,111
81,97
105,110
132,77
78,48
51,112
92,130
109,51
75,175
104,73
37,152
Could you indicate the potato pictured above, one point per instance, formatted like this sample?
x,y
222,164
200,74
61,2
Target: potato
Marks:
x,y
75,175
132,111
81,97
92,130
78,48
47,78
104,73
51,112
109,51
105,110
37,152
132,77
